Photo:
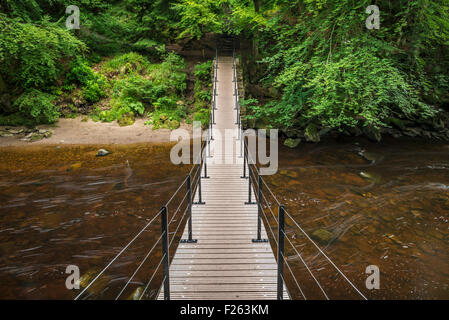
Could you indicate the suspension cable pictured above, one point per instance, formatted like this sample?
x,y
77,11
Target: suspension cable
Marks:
x,y
328,259
177,209
294,278
140,265
177,228
307,267
119,254
274,238
152,276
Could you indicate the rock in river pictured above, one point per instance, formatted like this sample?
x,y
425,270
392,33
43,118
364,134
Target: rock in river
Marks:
x,y
371,156
102,153
292,143
136,294
311,134
322,236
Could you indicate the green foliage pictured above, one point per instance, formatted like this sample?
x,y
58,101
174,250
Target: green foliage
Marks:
x,y
119,108
203,115
144,86
202,71
199,17
38,106
94,90
334,72
80,73
127,63
202,92
35,53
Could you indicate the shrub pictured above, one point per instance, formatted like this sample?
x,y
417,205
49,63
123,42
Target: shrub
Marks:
x,y
121,107
37,105
35,53
80,73
92,92
127,63
202,115
202,71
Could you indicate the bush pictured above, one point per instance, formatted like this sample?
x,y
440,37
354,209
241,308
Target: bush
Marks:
x,y
80,73
35,53
203,116
127,63
136,88
120,108
37,105
202,71
93,92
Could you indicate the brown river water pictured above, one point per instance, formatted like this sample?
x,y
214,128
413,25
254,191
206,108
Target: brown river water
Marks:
x,y
61,205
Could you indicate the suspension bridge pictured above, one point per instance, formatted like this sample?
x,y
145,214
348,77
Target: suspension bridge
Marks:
x,y
225,251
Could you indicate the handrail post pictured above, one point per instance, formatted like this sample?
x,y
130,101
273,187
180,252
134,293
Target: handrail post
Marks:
x,y
200,201
205,169
165,253
245,159
259,213
280,280
189,209
249,188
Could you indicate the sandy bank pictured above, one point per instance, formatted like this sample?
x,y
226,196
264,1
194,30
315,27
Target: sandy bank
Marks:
x,y
75,131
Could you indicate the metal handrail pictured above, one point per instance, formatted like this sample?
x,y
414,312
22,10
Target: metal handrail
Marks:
x,y
257,185
193,183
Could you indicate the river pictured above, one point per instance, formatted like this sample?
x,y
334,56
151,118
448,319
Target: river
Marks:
x,y
381,204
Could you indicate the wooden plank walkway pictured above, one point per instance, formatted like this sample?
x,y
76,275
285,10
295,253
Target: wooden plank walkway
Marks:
x,y
224,264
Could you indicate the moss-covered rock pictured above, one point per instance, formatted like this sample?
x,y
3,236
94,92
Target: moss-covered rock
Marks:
x,y
292,143
311,133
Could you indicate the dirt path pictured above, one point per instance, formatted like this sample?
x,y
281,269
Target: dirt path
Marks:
x,y
75,131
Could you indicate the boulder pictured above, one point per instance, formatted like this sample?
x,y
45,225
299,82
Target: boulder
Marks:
x,y
292,143
311,134
102,153
372,133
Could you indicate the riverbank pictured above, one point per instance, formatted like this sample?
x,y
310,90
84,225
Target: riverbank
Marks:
x,y
77,131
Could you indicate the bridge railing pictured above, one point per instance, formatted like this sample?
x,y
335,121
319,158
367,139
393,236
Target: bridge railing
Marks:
x,y
188,189
265,198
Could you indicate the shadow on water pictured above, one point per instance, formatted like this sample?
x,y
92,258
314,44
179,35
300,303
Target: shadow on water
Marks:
x,y
64,206
367,204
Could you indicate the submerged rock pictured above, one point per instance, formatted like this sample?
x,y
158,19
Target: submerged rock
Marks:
x,y
136,294
322,236
102,153
289,173
371,177
292,143
371,156
98,285
311,134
